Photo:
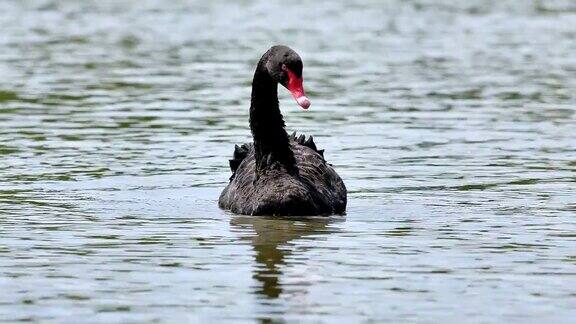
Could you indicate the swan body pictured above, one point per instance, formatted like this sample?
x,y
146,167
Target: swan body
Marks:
x,y
279,174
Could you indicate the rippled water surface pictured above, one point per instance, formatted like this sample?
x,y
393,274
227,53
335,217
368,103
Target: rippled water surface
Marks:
x,y
451,122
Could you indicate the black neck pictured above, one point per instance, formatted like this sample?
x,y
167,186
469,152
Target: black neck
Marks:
x,y
270,137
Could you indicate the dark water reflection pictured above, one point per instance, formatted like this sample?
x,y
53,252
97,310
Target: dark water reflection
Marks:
x,y
271,241
451,122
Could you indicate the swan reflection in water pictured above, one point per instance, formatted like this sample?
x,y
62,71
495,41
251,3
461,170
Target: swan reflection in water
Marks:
x,y
271,238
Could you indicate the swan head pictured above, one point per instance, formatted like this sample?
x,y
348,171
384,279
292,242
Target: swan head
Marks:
x,y
285,67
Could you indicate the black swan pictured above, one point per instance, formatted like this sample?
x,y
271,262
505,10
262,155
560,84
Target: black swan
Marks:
x,y
280,174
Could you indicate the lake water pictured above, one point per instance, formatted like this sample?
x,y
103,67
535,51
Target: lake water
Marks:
x,y
452,124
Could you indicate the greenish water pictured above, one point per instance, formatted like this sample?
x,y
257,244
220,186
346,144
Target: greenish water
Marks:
x,y
452,124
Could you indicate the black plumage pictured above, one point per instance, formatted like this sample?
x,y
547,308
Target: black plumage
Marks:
x,y
279,174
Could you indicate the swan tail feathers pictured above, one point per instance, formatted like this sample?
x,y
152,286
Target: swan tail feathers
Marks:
x,y
240,153
309,142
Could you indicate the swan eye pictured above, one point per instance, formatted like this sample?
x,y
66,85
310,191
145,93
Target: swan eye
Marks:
x,y
284,68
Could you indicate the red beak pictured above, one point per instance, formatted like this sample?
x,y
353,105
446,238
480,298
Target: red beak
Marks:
x,y
297,89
